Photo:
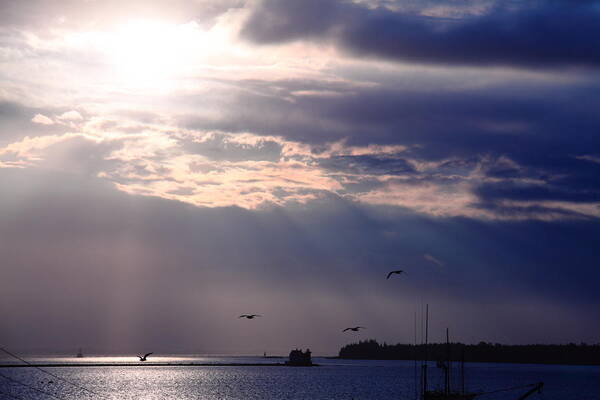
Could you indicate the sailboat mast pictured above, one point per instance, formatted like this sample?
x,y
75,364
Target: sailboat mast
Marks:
x,y
462,370
447,369
426,350
426,326
416,356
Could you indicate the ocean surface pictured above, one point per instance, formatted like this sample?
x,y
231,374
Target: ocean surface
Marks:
x,y
333,379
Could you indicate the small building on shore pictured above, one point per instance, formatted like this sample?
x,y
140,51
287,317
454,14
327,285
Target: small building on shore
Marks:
x,y
298,358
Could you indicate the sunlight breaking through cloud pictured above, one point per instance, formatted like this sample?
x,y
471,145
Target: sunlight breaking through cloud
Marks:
x,y
218,169
303,147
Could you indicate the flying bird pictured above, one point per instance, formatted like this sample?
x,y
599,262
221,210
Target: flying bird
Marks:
x,y
249,316
395,272
355,329
143,358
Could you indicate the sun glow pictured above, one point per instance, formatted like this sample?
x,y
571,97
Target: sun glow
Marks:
x,y
153,54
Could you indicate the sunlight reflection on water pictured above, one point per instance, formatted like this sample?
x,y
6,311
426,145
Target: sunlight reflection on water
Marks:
x,y
334,379
176,359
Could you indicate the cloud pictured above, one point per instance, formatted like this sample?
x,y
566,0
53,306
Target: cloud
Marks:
x,y
71,115
532,191
541,34
367,164
42,15
42,119
216,169
452,151
223,147
432,259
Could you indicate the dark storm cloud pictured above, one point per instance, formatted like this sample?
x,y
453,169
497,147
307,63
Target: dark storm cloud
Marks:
x,y
512,131
525,211
555,179
367,164
528,192
508,117
535,34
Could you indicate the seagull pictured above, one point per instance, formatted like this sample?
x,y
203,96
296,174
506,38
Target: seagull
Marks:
x,y
395,272
355,329
143,358
249,316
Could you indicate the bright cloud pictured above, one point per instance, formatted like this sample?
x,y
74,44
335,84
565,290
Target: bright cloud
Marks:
x,y
70,116
42,119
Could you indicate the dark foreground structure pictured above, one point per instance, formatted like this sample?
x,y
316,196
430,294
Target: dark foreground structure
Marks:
x,y
574,354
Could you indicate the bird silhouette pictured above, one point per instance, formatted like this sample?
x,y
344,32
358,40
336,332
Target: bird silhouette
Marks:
x,y
399,271
355,329
249,316
143,358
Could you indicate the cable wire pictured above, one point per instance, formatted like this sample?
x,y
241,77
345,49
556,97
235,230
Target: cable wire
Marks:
x,y
51,374
531,385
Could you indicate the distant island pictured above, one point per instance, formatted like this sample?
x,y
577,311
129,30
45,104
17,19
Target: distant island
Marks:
x,y
574,354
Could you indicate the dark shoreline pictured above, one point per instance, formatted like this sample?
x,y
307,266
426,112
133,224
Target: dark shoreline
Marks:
x,y
474,362
543,354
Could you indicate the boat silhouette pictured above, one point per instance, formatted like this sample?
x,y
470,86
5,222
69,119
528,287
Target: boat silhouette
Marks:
x,y
447,392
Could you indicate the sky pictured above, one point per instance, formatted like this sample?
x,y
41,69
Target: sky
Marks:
x,y
165,168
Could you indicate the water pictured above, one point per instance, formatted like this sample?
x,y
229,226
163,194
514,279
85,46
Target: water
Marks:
x,y
334,379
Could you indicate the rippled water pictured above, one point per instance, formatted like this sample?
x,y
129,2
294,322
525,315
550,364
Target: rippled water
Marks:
x,y
334,379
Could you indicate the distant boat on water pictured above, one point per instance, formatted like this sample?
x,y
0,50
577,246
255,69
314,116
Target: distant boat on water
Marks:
x,y
447,393
80,353
452,395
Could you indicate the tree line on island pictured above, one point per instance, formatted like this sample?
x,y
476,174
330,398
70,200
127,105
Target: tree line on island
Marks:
x,y
582,354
